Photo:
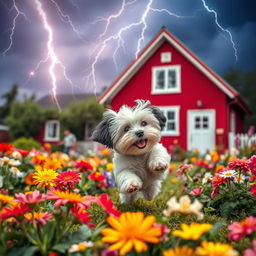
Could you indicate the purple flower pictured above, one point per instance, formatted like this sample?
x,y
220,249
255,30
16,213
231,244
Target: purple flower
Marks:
x,y
109,178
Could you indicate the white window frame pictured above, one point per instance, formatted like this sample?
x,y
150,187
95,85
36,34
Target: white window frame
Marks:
x,y
47,127
166,57
165,90
176,110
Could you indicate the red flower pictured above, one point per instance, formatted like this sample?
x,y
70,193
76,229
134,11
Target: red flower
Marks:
x,y
23,152
14,211
202,163
82,215
214,192
252,164
242,164
96,176
253,190
67,179
183,167
4,147
83,166
196,192
107,204
217,180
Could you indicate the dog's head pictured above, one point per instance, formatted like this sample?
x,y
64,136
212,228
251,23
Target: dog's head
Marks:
x,y
131,131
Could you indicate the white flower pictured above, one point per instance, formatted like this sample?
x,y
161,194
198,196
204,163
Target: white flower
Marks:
x,y
208,157
16,172
184,206
80,247
228,174
14,162
1,181
239,179
207,178
4,160
16,154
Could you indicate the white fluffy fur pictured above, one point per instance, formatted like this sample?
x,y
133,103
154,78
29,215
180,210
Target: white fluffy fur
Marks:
x,y
137,170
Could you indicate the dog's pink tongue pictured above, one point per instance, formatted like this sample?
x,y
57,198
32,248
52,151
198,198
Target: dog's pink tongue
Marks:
x,y
141,143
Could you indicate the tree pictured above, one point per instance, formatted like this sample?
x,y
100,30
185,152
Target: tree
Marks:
x,y
25,119
245,83
80,113
9,97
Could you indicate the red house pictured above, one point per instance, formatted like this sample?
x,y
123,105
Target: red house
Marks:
x,y
200,107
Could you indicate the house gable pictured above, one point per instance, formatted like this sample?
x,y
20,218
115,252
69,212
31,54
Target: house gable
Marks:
x,y
163,37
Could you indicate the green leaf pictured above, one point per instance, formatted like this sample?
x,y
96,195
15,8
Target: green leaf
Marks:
x,y
61,247
209,209
28,251
81,235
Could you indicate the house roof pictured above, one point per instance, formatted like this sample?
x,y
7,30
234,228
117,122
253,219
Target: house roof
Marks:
x,y
63,99
148,51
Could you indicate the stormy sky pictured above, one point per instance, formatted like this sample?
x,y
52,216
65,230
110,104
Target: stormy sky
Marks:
x,y
83,47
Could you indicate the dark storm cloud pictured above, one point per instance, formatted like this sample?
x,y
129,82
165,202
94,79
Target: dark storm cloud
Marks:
x,y
197,30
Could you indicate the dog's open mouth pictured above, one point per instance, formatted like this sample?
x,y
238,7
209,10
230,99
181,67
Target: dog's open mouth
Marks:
x,y
141,143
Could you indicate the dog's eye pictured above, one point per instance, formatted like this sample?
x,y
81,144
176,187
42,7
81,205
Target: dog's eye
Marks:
x,y
144,123
127,128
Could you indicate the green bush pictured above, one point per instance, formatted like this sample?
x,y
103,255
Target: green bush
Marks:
x,y
26,143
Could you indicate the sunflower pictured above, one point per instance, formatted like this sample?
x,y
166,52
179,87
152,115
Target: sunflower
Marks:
x,y
215,249
130,230
193,231
179,251
45,178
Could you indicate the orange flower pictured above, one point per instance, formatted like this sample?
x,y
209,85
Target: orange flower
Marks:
x,y
29,179
39,159
52,164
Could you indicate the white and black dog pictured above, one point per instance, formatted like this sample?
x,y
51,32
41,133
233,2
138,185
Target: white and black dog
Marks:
x,y
140,161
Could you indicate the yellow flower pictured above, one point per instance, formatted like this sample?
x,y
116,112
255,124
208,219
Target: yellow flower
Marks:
x,y
109,167
5,199
215,249
193,231
130,230
179,251
45,178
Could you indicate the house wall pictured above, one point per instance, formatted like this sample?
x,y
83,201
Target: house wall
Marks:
x,y
194,86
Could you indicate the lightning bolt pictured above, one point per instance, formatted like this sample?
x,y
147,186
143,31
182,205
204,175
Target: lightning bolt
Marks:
x,y
219,26
18,13
51,56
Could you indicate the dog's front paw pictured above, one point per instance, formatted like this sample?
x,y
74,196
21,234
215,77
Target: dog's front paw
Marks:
x,y
158,165
132,187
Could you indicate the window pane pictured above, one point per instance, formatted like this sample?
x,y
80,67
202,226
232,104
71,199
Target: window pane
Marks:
x,y
170,115
170,126
160,79
172,80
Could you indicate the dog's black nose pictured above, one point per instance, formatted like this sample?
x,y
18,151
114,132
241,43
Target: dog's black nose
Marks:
x,y
139,133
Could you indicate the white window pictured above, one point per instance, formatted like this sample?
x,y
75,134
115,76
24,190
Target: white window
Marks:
x,y
52,130
166,57
172,114
166,79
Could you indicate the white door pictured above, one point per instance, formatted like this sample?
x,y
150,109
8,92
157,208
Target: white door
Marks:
x,y
201,130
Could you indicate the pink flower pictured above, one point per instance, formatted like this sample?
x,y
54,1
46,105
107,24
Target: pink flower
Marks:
x,y
253,190
30,197
183,167
236,163
218,180
196,192
107,204
214,192
251,252
67,179
252,164
38,217
242,229
82,215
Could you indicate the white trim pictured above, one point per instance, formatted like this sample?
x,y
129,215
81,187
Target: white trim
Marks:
x,y
148,53
166,57
176,110
177,89
46,137
189,124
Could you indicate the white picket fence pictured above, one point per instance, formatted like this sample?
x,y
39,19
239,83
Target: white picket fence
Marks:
x,y
241,140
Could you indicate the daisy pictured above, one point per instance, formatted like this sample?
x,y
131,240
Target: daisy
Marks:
x,y
184,206
228,174
64,197
45,178
131,230
14,162
80,247
239,178
207,178
16,172
193,231
68,179
215,249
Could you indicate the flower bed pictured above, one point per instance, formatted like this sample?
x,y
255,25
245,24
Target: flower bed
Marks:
x,y
53,204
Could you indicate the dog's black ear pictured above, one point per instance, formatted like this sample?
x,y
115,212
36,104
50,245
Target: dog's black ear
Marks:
x,y
102,133
159,116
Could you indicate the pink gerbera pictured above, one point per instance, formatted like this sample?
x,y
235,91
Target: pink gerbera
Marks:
x,y
30,197
236,163
64,197
107,204
67,179
252,164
